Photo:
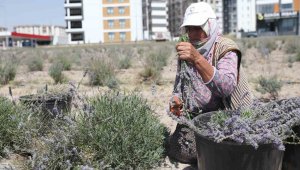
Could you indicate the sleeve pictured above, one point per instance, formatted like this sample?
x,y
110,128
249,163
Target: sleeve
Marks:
x,y
224,79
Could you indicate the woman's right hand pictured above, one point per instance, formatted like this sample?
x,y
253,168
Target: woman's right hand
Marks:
x,y
186,51
176,106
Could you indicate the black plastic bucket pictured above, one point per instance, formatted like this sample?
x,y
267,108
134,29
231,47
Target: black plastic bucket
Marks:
x,y
291,158
62,104
233,156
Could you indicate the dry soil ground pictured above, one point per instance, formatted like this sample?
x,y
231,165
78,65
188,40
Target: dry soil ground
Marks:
x,y
255,64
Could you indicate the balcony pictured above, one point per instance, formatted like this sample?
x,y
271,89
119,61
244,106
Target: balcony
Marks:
x,y
73,18
72,5
73,30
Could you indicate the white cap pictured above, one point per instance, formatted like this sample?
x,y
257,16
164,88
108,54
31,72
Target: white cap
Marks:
x,y
197,14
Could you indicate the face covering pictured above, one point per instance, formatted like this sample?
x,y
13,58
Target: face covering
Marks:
x,y
199,44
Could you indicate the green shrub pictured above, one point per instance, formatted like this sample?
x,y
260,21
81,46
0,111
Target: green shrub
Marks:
x,y
12,120
56,72
297,58
154,63
65,61
291,46
269,85
8,72
121,56
151,73
102,73
125,62
122,132
35,63
271,45
58,150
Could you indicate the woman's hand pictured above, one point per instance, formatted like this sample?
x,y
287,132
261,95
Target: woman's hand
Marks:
x,y
187,52
176,106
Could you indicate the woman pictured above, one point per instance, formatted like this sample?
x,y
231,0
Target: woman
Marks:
x,y
209,77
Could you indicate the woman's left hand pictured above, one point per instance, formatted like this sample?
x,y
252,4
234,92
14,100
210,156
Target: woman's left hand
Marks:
x,y
187,52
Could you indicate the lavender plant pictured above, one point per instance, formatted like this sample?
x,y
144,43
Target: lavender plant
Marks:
x,y
57,148
35,63
269,85
154,63
101,71
121,131
13,136
8,71
56,72
65,61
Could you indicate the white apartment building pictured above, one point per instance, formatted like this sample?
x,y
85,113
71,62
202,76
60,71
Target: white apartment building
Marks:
x,y
246,15
156,20
3,29
103,21
218,7
57,33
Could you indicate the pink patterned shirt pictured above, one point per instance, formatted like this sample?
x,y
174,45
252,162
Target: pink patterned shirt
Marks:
x,y
209,95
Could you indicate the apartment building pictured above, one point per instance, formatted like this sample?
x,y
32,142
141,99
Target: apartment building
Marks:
x,y
155,20
4,34
278,17
229,16
246,15
218,7
103,21
176,10
3,29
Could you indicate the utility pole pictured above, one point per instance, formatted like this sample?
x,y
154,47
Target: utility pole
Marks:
x,y
298,25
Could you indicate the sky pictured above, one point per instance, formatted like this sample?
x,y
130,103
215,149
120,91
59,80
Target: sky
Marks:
x,y
29,12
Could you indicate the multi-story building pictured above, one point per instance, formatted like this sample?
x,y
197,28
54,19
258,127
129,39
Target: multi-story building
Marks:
x,y
3,37
40,29
3,29
175,16
218,7
57,33
96,21
229,16
246,15
155,20
278,17
176,10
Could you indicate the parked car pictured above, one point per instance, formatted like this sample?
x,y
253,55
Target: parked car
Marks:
x,y
249,34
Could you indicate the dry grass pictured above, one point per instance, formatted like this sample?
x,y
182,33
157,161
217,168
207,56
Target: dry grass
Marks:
x,y
255,63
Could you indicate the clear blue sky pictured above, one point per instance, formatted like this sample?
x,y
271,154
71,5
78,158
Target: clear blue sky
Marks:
x,y
28,12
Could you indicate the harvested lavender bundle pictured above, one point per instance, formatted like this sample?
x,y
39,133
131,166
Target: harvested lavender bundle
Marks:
x,y
261,123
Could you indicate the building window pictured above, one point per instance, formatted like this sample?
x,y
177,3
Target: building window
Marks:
x,y
75,11
109,1
266,8
110,10
288,25
75,1
44,30
122,36
77,36
286,7
111,23
76,24
111,36
122,23
121,0
121,10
